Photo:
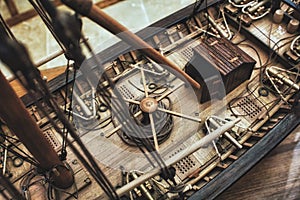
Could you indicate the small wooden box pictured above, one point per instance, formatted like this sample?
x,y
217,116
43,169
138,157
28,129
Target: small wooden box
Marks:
x,y
219,67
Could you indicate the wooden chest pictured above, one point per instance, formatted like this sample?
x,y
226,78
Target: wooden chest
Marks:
x,y
219,66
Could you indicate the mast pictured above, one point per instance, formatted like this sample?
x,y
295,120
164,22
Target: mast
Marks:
x,y
17,118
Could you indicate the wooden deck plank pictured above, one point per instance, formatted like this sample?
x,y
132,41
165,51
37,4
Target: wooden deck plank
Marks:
x,y
277,176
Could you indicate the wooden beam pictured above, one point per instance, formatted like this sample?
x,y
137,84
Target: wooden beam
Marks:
x,y
106,3
21,17
11,7
14,20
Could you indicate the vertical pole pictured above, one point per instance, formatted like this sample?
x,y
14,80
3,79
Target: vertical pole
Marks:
x,y
17,118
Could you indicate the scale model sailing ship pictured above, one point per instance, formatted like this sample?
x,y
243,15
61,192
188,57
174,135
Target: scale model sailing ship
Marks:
x,y
176,112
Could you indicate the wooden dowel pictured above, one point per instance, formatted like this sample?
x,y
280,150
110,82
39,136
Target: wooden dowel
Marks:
x,y
18,119
93,12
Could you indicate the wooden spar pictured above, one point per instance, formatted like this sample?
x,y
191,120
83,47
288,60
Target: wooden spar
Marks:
x,y
17,118
179,156
86,8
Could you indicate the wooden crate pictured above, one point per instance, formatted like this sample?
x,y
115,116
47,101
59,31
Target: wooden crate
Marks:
x,y
219,66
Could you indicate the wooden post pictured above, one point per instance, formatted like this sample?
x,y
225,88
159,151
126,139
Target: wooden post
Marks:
x,y
11,7
17,118
86,8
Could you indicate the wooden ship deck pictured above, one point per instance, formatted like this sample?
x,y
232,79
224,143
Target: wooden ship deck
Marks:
x,y
194,142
